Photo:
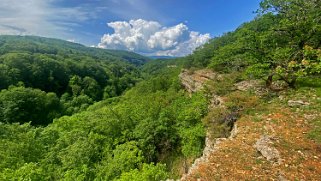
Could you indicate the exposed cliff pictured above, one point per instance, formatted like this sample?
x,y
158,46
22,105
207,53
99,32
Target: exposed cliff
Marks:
x,y
271,141
194,81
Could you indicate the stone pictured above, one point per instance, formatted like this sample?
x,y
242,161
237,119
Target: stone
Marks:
x,y
295,103
254,85
247,85
263,145
194,81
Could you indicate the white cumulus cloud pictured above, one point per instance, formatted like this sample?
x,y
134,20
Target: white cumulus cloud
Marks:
x,y
151,38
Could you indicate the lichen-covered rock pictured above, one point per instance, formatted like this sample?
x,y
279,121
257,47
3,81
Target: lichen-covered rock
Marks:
x,y
247,85
194,81
264,146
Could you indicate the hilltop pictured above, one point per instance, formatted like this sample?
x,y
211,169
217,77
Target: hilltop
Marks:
x,y
35,44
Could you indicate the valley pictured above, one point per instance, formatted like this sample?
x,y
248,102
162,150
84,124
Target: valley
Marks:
x,y
245,105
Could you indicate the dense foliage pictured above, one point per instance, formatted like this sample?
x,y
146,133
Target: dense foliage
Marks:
x,y
28,105
78,75
282,42
119,138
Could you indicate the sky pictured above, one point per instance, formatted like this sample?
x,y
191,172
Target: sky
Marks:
x,y
149,27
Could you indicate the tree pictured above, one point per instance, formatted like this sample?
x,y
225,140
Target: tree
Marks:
x,y
192,141
125,157
296,33
91,88
20,104
309,65
300,20
149,172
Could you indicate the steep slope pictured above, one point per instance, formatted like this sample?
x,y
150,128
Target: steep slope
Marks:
x,y
270,71
275,139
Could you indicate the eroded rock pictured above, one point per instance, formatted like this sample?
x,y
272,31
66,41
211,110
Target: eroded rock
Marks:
x,y
254,85
264,146
195,81
211,145
247,85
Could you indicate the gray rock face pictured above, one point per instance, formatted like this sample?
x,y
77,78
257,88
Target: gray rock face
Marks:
x,y
247,85
264,146
255,85
194,81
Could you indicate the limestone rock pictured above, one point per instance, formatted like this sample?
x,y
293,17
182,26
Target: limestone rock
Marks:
x,y
295,103
263,145
254,85
194,81
211,145
247,85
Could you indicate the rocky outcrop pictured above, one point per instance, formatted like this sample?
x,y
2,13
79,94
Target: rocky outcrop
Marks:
x,y
264,146
247,85
259,87
255,85
195,81
211,145
271,143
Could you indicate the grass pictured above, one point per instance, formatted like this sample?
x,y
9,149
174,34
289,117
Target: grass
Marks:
x,y
310,90
315,133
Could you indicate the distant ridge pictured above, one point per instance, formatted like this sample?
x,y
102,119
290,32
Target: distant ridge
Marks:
x,y
162,57
35,43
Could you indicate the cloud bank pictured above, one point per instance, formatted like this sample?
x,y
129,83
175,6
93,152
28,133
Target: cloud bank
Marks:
x,y
151,38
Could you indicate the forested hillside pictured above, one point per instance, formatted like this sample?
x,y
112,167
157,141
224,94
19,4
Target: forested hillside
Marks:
x,y
120,138
73,77
109,135
282,42
69,112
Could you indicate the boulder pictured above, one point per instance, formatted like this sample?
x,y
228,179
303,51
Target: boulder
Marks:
x,y
264,146
296,103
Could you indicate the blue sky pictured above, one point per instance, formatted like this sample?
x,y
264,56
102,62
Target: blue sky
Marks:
x,y
165,27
